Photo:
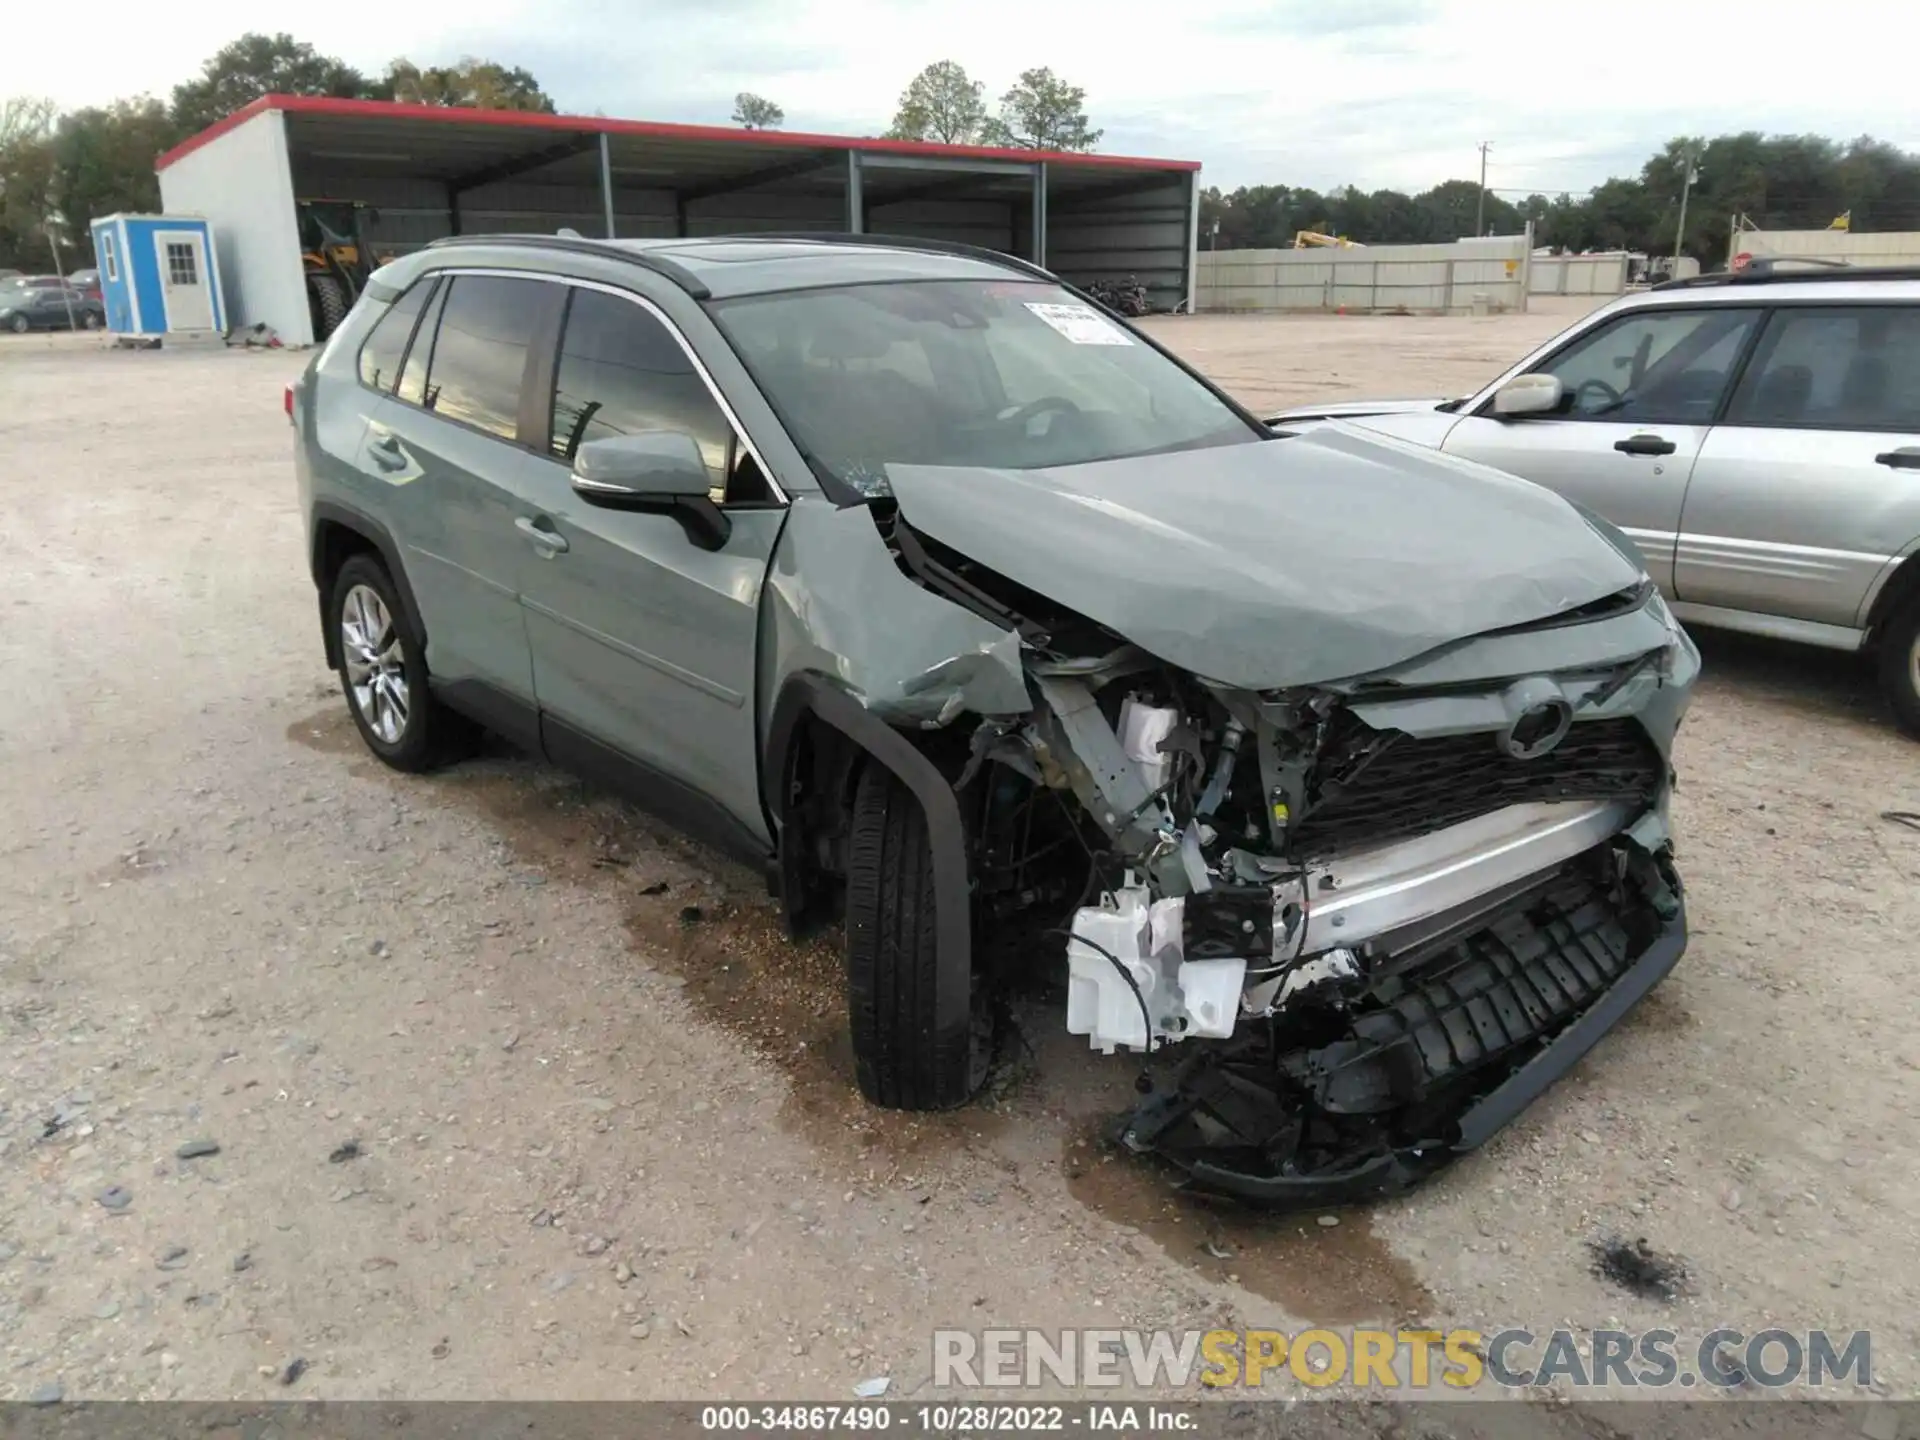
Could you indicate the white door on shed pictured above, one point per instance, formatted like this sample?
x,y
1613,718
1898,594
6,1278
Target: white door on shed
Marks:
x,y
183,279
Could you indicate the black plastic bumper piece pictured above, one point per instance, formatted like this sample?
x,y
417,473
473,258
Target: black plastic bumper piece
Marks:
x,y
1384,1173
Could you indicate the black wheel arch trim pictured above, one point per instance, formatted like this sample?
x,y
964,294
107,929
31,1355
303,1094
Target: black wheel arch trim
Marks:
x,y
332,512
812,695
1898,592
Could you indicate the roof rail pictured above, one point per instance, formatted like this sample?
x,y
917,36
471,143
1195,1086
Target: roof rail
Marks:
x,y
581,245
902,242
1818,272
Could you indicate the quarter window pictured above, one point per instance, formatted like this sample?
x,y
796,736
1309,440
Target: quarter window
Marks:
x,y
413,375
1653,367
480,351
386,343
622,372
1834,369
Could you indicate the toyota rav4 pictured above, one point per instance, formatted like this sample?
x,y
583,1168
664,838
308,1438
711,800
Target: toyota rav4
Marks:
x,y
994,632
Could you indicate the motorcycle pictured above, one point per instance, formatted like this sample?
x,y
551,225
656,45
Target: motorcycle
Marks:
x,y
1128,299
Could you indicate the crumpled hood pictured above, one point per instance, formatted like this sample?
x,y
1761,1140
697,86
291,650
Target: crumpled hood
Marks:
x,y
1350,409
1330,555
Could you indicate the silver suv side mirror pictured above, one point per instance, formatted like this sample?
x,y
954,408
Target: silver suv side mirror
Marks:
x,y
1528,395
659,472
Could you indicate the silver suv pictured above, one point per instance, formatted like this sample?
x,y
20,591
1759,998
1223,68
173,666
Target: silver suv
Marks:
x,y
1757,435
992,631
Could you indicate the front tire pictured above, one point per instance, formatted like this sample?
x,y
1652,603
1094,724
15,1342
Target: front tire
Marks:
x,y
1900,667
901,1059
383,673
20,324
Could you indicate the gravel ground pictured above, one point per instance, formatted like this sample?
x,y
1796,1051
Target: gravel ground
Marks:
x,y
517,1094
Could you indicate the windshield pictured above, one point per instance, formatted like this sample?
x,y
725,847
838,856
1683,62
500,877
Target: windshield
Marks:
x,y
1006,374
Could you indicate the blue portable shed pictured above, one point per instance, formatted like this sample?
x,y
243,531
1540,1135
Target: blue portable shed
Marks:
x,y
159,275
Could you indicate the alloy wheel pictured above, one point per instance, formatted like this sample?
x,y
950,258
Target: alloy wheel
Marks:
x,y
376,670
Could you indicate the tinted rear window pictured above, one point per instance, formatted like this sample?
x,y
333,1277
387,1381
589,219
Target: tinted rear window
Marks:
x,y
1856,368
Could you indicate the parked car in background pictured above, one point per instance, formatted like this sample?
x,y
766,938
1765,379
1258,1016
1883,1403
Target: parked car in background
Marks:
x,y
1757,435
986,626
32,307
87,282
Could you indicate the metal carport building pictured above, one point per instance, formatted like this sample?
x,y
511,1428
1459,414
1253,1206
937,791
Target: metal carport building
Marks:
x,y
431,171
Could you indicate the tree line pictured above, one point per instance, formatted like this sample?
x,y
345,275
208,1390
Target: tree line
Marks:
x,y
1784,182
63,169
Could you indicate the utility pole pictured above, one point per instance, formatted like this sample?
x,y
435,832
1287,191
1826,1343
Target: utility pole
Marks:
x,y
1687,177
1480,201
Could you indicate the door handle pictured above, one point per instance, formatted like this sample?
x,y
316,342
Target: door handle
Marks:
x,y
552,542
1644,445
1907,457
387,451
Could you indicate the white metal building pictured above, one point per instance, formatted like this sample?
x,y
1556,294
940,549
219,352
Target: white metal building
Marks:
x,y
429,171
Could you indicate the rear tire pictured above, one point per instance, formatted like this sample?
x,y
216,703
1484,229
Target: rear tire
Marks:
x,y
20,325
1900,667
901,1060
327,300
383,673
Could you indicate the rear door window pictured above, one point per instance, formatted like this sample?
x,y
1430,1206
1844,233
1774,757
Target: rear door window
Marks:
x,y
1834,368
480,351
386,343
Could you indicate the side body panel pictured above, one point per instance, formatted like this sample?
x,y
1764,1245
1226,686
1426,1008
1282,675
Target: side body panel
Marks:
x,y
1798,523
646,641
449,495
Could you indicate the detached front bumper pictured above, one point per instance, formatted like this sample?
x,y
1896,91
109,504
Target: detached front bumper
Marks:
x,y
1452,1052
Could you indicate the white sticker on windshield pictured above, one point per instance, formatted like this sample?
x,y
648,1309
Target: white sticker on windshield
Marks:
x,y
1081,324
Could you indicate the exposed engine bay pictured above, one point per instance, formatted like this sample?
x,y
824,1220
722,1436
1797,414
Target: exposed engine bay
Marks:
x,y
1380,914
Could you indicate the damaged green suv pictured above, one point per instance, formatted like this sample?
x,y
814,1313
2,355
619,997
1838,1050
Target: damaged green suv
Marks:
x,y
1336,767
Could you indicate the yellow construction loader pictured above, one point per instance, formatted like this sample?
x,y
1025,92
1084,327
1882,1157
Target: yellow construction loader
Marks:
x,y
1309,239
337,256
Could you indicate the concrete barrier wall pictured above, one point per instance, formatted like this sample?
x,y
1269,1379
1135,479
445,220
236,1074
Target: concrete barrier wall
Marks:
x,y
1888,247
1488,274
1603,274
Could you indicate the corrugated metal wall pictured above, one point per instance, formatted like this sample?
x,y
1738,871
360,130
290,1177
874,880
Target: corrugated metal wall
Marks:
x,y
1888,247
1455,278
414,212
1146,235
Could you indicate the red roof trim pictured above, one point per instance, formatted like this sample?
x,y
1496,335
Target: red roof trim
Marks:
x,y
595,125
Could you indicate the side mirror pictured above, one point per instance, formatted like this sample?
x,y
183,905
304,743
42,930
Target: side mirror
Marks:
x,y
1528,395
654,472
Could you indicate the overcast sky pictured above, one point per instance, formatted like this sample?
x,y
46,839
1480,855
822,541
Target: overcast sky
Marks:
x,y
1305,92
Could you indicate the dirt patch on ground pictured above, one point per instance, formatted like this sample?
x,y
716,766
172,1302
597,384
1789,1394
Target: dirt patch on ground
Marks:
x,y
1338,1273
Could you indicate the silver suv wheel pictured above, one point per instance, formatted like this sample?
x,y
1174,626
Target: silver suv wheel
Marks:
x,y
376,671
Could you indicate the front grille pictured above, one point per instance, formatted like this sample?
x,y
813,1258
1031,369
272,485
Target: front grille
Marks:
x,y
1410,786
